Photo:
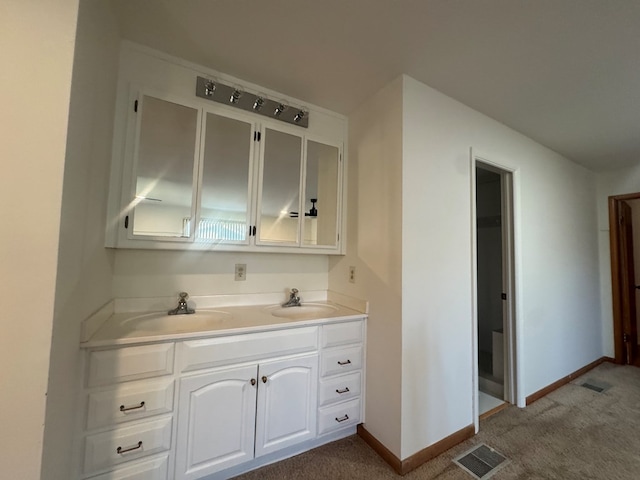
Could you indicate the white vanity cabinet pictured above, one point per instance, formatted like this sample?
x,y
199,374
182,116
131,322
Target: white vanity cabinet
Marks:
x,y
230,416
129,417
341,376
220,405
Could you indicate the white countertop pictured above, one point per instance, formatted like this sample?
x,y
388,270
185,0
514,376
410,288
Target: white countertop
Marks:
x,y
131,328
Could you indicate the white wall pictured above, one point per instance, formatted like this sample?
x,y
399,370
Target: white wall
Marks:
x,y
37,41
617,182
556,264
375,248
84,265
149,273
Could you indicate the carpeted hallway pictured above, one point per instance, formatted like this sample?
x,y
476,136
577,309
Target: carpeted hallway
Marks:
x,y
572,433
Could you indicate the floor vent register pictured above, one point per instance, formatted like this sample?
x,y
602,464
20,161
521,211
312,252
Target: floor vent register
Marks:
x,y
596,385
481,461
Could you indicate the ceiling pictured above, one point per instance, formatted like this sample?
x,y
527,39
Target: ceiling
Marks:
x,y
566,73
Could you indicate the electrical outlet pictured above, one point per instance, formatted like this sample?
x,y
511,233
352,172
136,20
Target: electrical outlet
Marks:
x,y
241,272
352,274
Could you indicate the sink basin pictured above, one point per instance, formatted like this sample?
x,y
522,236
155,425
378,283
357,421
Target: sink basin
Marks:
x,y
306,311
161,322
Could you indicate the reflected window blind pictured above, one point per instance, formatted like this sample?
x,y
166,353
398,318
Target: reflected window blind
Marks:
x,y
214,229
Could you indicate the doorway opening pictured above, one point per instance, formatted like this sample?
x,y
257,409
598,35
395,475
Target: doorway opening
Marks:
x,y
624,219
494,288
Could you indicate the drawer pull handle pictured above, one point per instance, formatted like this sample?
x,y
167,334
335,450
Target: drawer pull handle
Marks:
x,y
342,419
126,409
344,363
253,381
264,379
121,450
346,390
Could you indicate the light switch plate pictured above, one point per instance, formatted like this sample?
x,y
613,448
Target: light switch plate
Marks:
x,y
352,274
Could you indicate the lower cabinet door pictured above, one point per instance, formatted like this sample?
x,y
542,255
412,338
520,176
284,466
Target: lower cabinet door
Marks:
x,y
287,399
216,421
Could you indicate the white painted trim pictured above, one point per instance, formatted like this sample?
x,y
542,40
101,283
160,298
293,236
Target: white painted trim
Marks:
x,y
474,295
515,357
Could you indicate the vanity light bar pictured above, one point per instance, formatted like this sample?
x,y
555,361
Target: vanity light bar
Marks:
x,y
233,96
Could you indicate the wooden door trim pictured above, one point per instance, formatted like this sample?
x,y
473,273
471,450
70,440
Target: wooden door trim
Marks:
x,y
616,296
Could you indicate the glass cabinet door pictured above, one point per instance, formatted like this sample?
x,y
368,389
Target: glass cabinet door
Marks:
x,y
164,168
226,167
279,197
320,226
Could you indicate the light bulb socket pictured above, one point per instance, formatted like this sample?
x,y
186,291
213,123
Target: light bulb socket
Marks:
x,y
235,96
209,88
258,103
279,109
299,116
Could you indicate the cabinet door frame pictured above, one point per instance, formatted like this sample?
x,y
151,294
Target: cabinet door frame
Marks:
x,y
260,182
251,196
268,394
241,376
339,203
131,159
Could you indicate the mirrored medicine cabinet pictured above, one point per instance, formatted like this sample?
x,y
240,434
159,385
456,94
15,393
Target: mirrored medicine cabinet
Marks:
x,y
201,176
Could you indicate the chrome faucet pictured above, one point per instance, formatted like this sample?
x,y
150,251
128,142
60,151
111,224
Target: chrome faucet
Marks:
x,y
182,308
294,299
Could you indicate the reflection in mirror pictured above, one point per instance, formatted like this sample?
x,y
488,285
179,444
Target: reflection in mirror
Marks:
x,y
225,180
280,187
164,168
321,195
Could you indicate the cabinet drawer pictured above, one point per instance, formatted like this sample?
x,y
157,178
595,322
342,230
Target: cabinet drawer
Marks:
x,y
130,363
338,334
219,351
156,469
340,360
338,416
131,401
339,388
106,449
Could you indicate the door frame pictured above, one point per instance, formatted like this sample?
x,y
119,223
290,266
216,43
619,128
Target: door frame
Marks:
x,y
616,285
510,179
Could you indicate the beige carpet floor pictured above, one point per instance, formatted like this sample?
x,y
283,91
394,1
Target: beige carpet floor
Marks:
x,y
572,433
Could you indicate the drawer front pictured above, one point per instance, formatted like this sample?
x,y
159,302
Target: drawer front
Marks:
x,y
340,360
338,416
107,449
156,469
214,352
338,334
336,389
129,363
131,401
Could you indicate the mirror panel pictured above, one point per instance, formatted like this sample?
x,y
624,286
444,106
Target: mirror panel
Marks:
x,y
280,196
321,195
224,204
164,168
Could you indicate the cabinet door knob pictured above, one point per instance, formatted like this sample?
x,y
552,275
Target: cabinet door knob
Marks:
x,y
264,379
253,381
